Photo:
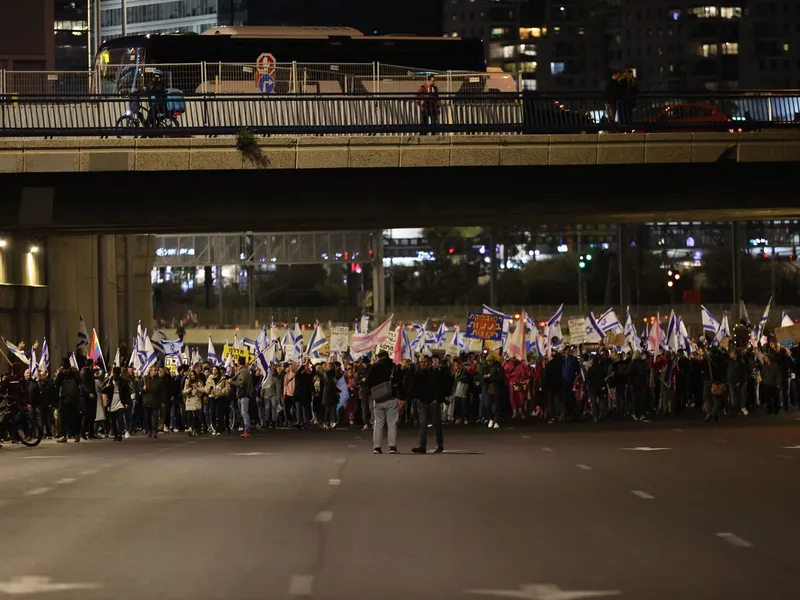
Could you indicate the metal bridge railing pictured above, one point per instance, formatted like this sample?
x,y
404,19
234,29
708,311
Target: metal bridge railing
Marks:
x,y
286,113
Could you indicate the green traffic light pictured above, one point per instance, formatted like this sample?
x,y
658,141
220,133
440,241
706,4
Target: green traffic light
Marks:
x,y
582,265
588,257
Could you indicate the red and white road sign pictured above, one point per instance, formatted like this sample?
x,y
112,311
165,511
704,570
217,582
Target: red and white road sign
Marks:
x,y
265,65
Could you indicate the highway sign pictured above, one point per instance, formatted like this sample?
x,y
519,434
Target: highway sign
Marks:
x,y
265,64
266,84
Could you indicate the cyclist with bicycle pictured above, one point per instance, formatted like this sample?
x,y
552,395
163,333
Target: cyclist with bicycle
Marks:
x,y
157,92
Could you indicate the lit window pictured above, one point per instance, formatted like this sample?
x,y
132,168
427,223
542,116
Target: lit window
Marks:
x,y
527,49
526,33
529,85
508,51
556,68
728,48
730,12
528,67
714,12
675,14
709,50
499,31
786,47
581,31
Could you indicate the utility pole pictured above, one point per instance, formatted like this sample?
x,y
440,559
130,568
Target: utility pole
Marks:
x,y
124,17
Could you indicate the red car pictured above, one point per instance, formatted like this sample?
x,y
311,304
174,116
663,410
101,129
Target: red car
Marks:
x,y
685,117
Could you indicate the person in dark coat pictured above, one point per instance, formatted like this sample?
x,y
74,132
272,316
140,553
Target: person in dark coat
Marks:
x,y
426,391
330,394
152,400
68,382
88,399
117,394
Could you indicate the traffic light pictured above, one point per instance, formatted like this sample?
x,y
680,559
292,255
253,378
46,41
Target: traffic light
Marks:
x,y
585,262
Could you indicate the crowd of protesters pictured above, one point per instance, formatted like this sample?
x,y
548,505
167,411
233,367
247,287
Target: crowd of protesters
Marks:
x,y
471,389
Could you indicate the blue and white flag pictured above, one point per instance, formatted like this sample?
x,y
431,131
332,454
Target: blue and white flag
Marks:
x,y
44,361
73,361
344,393
33,365
554,328
683,337
150,356
710,324
786,320
212,353
609,322
459,341
117,362
629,330
419,342
439,337
758,331
724,331
672,333
743,311
594,333
407,351
83,335
317,342
164,345
17,352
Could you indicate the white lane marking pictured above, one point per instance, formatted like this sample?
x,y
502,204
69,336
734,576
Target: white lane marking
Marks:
x,y
106,465
526,437
334,482
785,447
340,461
192,442
547,449
66,481
358,437
324,516
545,591
42,457
734,540
678,430
38,585
584,467
252,454
37,491
645,449
351,446
721,441
88,472
300,585
642,495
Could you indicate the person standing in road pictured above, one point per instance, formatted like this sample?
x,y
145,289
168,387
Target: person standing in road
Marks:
x,y
117,393
193,392
68,382
424,391
88,399
387,406
243,382
152,399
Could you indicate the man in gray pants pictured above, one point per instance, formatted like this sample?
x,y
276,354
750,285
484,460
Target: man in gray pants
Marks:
x,y
385,410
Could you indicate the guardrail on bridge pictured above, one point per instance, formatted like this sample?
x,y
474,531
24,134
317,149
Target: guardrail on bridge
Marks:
x,y
372,114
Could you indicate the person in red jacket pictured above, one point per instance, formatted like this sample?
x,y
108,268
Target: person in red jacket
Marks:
x,y
429,103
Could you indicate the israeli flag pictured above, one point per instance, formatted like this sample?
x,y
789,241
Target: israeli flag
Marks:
x,y
212,354
724,330
316,343
150,356
44,361
710,324
116,362
554,327
609,322
762,324
17,352
594,333
73,361
83,335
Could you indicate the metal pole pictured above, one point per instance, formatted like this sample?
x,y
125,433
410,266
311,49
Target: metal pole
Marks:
x,y
772,274
251,291
620,259
130,240
492,268
735,262
124,18
219,293
391,288
580,275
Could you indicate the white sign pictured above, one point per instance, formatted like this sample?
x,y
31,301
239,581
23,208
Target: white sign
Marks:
x,y
388,344
545,591
577,331
340,339
265,64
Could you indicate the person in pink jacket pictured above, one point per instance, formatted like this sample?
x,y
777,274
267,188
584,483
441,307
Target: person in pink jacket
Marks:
x,y
517,379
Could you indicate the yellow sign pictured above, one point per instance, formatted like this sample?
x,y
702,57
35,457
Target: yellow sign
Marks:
x,y
249,357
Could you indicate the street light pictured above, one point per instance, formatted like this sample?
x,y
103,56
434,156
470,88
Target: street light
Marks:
x,y
34,249
670,284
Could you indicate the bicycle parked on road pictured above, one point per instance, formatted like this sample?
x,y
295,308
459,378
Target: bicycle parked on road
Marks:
x,y
19,418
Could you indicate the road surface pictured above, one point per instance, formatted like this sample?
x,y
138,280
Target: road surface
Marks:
x,y
643,511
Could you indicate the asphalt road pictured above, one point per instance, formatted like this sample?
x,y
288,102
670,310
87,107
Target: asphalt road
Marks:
x,y
287,514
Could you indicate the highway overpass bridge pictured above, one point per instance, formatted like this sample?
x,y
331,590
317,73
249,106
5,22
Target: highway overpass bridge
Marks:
x,y
365,182
72,207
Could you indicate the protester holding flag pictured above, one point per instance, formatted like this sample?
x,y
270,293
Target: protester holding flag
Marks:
x,y
117,400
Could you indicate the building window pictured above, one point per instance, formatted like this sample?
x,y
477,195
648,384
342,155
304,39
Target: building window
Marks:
x,y
528,67
716,12
529,85
708,50
556,68
526,33
786,47
499,31
729,48
527,49
675,14
711,86
508,51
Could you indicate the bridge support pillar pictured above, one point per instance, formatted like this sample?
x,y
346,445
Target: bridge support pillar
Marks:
x,y
378,275
87,277
737,244
623,271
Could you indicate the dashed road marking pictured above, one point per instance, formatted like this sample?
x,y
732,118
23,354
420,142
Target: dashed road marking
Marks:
x,y
88,472
66,481
642,495
721,441
324,516
525,437
301,585
334,482
351,446
38,457
37,491
547,449
584,467
734,540
340,461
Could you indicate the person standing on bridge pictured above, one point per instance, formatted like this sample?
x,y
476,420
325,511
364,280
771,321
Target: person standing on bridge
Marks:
x,y
429,103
